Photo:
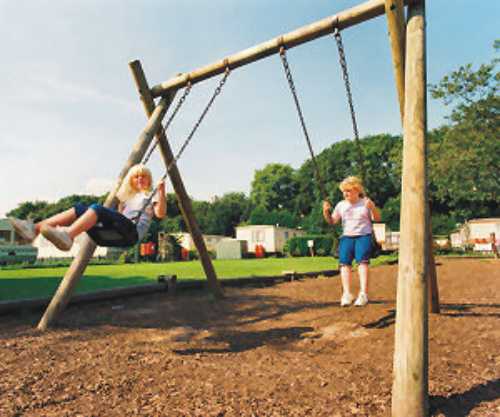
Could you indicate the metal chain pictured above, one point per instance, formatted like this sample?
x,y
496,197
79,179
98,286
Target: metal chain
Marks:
x,y
291,83
203,114
181,101
345,75
190,136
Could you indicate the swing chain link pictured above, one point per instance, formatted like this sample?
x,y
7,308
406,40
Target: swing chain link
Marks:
x,y
190,136
345,76
203,114
291,83
181,101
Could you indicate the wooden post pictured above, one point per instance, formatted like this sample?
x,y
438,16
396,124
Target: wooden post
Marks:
x,y
410,383
395,20
175,176
77,267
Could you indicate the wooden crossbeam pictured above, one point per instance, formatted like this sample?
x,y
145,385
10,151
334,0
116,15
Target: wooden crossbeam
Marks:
x,y
342,20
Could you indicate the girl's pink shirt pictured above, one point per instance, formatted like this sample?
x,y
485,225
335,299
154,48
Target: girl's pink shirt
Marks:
x,y
356,218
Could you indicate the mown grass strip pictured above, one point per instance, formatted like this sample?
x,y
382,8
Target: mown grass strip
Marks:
x,y
18,284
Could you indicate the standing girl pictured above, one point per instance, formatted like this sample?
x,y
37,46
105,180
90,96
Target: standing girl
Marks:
x,y
131,220
356,212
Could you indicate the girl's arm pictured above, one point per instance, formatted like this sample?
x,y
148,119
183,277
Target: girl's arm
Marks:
x,y
327,208
370,205
160,207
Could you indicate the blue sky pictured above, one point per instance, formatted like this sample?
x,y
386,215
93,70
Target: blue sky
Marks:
x,y
70,113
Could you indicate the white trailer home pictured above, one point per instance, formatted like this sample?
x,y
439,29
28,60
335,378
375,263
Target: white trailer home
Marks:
x,y
477,232
272,238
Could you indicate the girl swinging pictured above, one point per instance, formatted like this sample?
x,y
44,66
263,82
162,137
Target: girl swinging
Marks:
x,y
130,222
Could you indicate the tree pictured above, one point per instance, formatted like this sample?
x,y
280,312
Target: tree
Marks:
x,y
465,156
227,212
274,187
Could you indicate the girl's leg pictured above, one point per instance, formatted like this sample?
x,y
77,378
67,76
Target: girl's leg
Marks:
x,y
363,277
79,219
362,254
85,222
64,218
345,275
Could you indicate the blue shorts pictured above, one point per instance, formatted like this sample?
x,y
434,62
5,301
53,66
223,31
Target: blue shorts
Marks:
x,y
112,228
355,247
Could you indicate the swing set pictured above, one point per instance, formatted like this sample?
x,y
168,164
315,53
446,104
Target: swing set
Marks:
x,y
407,38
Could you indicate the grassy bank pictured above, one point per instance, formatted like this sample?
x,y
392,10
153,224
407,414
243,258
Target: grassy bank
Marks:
x,y
31,283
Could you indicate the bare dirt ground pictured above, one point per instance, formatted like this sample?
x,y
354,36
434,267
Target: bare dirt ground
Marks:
x,y
286,350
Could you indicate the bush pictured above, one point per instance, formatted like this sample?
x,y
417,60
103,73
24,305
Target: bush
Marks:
x,y
324,245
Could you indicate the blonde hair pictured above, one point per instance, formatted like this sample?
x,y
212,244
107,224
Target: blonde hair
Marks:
x,y
352,182
127,190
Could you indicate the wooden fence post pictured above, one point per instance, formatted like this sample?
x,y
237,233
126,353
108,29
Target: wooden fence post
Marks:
x,y
410,383
77,267
175,176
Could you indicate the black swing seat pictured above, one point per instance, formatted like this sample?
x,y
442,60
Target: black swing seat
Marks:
x,y
116,235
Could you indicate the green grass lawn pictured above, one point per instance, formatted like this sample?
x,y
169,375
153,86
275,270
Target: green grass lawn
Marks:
x,y
42,282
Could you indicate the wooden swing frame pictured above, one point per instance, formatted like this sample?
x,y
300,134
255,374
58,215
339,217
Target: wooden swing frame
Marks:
x,y
416,267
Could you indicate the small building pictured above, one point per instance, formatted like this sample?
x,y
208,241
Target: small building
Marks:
x,y
231,249
272,238
186,241
7,234
12,249
479,232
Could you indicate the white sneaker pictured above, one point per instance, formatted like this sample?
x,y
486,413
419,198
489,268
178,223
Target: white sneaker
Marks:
x,y
362,300
24,228
346,299
59,237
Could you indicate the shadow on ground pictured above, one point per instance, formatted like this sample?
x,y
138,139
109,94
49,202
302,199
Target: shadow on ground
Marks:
x,y
460,405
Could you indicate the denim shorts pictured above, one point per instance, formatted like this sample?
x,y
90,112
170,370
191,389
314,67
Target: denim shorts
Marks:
x,y
355,247
112,228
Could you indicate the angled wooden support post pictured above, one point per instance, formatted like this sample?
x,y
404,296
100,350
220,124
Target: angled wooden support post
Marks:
x,y
175,176
396,24
410,372
394,10
77,267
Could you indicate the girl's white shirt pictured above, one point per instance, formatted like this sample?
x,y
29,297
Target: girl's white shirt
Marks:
x,y
356,218
132,207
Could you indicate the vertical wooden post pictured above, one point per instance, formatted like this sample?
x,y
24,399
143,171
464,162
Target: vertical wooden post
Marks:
x,y
77,267
182,196
395,21
410,384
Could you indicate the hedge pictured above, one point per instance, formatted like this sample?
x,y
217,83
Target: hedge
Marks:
x,y
324,245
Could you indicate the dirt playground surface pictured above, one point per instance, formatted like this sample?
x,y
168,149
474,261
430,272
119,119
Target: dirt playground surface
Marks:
x,y
285,350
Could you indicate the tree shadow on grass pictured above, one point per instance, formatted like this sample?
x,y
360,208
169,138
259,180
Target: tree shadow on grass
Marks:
x,y
460,405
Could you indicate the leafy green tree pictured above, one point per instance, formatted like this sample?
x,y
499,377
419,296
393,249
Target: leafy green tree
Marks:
x,y
274,187
465,158
29,209
227,212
